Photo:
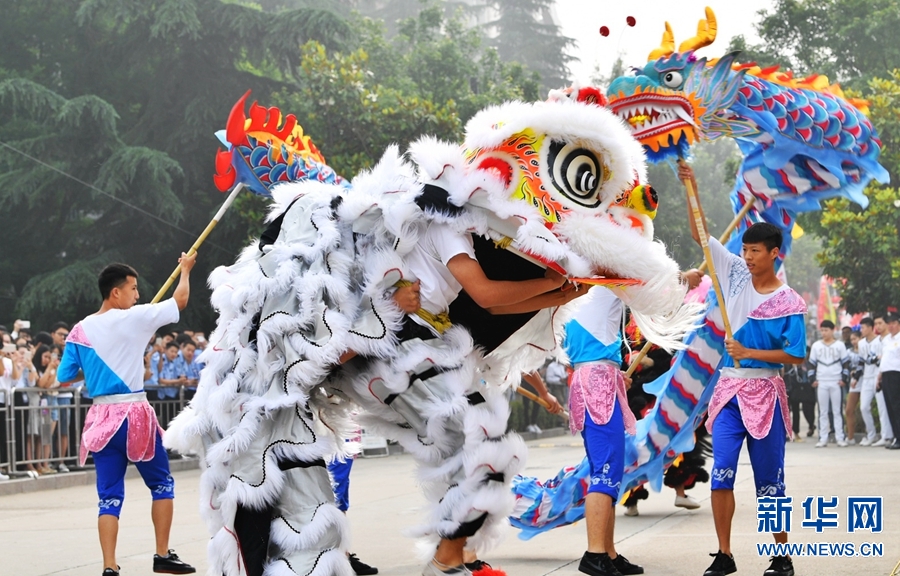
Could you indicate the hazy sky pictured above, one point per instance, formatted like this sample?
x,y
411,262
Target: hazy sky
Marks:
x,y
582,19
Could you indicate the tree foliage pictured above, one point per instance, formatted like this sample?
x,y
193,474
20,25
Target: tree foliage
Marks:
x,y
524,31
862,249
849,40
430,79
107,110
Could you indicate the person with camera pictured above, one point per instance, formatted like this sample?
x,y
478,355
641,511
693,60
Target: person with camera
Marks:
x,y
9,374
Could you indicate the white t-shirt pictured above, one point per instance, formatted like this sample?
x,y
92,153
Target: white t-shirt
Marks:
x,y
740,296
6,381
828,360
868,353
890,353
428,261
109,347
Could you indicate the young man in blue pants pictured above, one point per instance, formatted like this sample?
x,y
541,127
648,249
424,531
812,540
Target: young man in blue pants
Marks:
x,y
750,401
121,427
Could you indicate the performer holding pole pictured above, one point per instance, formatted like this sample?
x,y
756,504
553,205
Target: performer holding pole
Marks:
x,y
121,427
750,402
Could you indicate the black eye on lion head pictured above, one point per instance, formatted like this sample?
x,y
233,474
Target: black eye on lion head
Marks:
x,y
576,172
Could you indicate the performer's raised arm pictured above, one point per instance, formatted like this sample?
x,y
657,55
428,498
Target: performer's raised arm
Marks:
x,y
183,290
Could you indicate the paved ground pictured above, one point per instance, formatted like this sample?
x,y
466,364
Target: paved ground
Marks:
x,y
53,532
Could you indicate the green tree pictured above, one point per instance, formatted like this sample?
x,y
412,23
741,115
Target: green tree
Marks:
x,y
524,31
849,40
862,248
124,96
430,80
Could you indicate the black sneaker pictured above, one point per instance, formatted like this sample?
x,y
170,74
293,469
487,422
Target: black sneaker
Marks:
x,y
171,564
477,565
598,565
625,567
110,572
360,568
722,564
780,566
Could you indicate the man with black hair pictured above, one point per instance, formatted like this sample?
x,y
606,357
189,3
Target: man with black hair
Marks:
x,y
800,394
749,401
879,327
889,374
121,426
830,364
171,376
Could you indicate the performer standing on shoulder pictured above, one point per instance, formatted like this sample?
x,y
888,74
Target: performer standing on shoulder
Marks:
x,y
751,402
121,427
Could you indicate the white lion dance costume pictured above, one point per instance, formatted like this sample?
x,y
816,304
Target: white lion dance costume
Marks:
x,y
538,185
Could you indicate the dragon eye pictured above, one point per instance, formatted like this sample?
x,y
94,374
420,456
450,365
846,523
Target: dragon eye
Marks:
x,y
576,172
672,79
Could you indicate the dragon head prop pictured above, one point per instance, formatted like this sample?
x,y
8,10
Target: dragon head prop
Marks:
x,y
802,140
678,98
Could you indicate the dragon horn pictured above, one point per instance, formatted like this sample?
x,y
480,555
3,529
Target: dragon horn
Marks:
x,y
667,48
706,33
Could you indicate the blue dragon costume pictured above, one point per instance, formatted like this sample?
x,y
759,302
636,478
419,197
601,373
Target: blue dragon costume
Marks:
x,y
802,142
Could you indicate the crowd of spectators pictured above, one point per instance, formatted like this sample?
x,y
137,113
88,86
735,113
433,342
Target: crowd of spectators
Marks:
x,y
849,373
38,411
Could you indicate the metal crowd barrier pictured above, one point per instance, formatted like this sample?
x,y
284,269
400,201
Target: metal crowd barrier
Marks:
x,y
35,427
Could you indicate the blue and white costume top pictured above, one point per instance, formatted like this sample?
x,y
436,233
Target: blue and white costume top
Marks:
x,y
593,343
774,321
109,349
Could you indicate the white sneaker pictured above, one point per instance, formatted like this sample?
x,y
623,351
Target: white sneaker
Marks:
x,y
686,502
62,467
851,442
631,510
3,477
821,444
842,443
865,442
880,443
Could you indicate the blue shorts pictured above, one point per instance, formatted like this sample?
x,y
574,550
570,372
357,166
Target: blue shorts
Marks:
x,y
340,482
766,455
605,447
111,463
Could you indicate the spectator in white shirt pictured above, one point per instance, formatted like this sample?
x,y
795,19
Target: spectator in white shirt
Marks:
x,y
868,349
9,373
887,432
830,362
889,373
